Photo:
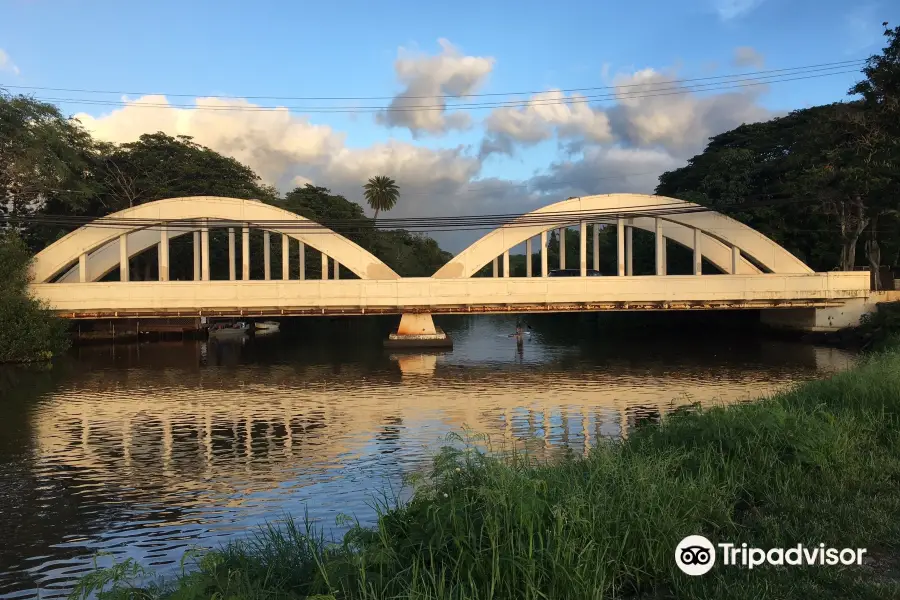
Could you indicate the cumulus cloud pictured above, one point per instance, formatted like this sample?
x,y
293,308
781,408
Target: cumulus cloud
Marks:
x,y
650,111
429,81
733,9
681,123
544,115
747,56
6,63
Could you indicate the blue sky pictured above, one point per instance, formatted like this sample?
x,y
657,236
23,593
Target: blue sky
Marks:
x,y
305,49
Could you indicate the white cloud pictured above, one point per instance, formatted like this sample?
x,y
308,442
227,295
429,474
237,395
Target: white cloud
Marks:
x,y
651,111
428,81
545,114
6,63
733,9
747,56
674,118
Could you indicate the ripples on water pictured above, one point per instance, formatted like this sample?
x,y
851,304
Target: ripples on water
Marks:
x,y
146,450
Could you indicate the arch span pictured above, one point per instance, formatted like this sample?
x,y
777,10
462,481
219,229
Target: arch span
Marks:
x,y
721,234
55,258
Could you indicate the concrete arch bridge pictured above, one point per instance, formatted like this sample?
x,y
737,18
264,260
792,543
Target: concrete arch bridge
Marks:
x,y
755,271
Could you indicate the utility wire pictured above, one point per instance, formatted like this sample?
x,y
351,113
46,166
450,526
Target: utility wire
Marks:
x,y
844,63
419,224
613,96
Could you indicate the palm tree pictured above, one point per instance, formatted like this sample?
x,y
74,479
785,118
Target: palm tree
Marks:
x,y
381,193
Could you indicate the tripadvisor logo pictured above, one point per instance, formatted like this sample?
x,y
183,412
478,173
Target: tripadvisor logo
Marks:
x,y
696,555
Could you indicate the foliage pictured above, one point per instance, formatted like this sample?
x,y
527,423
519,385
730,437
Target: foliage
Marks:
x,y
816,179
28,331
381,192
794,468
409,254
44,159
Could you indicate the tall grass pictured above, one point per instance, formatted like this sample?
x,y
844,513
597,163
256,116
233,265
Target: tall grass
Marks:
x,y
819,463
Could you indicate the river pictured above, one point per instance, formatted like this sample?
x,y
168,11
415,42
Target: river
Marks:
x,y
146,450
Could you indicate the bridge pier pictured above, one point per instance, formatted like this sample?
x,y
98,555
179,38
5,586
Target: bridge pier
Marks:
x,y
417,330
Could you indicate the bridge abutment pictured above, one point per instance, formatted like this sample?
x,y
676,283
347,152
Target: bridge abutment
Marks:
x,y
828,319
417,330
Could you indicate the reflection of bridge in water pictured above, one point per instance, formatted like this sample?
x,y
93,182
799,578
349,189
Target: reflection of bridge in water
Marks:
x,y
224,432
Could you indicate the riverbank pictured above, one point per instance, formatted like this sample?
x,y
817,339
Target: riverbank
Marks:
x,y
817,464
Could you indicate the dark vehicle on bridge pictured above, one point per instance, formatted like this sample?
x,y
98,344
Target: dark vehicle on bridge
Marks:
x,y
573,273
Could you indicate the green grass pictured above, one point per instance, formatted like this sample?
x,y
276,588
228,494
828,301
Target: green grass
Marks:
x,y
819,463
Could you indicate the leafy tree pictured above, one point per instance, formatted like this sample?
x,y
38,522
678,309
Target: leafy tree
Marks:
x,y
45,164
160,166
381,193
876,138
29,331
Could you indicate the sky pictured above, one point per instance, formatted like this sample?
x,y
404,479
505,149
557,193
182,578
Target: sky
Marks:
x,y
156,60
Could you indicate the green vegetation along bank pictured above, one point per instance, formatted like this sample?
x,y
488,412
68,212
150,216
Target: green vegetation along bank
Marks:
x,y
819,464
28,331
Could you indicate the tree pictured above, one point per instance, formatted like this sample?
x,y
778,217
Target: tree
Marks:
x,y
45,164
877,138
753,174
381,193
159,166
29,332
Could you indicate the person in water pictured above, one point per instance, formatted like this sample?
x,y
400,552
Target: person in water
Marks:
x,y
519,330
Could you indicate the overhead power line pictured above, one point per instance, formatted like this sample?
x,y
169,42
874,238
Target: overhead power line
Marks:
x,y
843,63
461,223
642,90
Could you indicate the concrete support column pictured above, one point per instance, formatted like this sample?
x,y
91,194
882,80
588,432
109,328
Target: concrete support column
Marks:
x,y
660,246
582,248
629,251
324,266
620,246
302,254
196,256
204,244
506,263
123,257
163,258
496,266
418,330
665,257
285,257
596,249
543,254
528,258
232,275
82,267
245,253
562,247
698,252
337,269
735,259
267,255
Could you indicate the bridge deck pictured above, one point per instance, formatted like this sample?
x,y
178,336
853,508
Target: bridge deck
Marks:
x,y
478,295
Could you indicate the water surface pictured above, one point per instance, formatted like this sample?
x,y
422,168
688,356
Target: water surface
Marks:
x,y
146,450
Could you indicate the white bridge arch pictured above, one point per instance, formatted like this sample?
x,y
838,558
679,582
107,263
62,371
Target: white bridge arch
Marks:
x,y
97,253
723,241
